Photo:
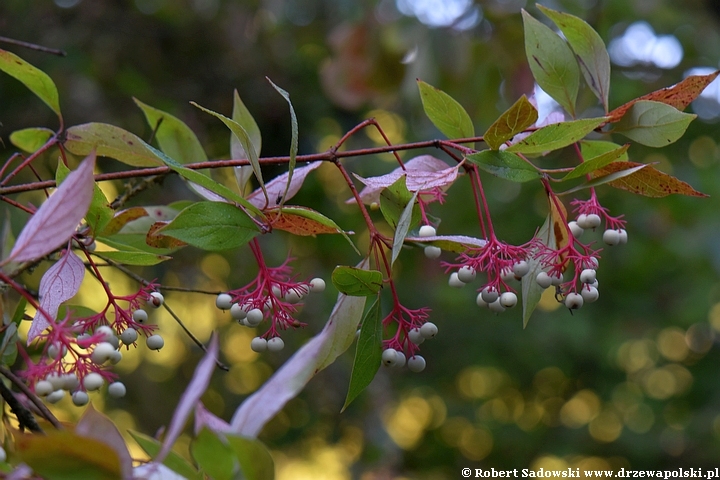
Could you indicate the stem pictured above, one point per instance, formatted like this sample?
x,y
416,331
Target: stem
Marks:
x,y
33,46
52,141
46,413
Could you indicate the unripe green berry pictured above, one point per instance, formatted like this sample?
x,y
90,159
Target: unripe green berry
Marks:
x,y
416,336
543,279
43,387
317,285
432,252
573,301
588,275
80,398
254,317
93,381
428,330
223,301
389,357
275,344
427,231
129,336
117,390
156,299
140,316
155,342
611,237
416,363
521,268
589,293
575,229
508,299
466,274
55,396
454,281
258,344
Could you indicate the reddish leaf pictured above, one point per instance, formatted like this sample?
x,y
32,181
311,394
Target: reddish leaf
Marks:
x,y
56,219
94,424
648,181
276,187
679,95
297,224
59,284
558,214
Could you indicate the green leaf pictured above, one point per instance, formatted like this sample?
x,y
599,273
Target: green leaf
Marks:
x,y
654,124
77,311
594,163
294,139
357,282
173,461
590,50
99,213
111,141
531,291
213,456
368,353
19,311
242,116
244,139
206,182
606,178
556,136
133,257
504,164
33,78
516,119
8,346
445,113
30,139
594,148
254,457
212,226
552,63
403,226
173,135
393,201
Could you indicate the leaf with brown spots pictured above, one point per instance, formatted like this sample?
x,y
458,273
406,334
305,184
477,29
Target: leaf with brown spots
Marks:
x,y
158,240
679,95
647,181
303,221
558,214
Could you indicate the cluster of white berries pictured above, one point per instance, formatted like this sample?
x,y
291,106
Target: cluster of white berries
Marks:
x,y
490,297
584,222
431,251
416,363
249,316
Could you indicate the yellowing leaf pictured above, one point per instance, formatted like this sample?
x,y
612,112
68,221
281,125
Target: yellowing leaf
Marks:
x,y
516,119
647,181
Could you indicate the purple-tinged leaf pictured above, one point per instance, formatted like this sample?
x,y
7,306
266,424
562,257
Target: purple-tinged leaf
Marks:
x,y
94,424
204,418
155,471
56,219
423,173
190,398
59,284
290,379
276,187
451,243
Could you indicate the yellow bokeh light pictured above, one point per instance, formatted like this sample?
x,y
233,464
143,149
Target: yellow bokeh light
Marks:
x,y
215,267
475,443
549,462
639,419
714,317
659,383
671,344
531,415
550,381
480,382
703,152
236,344
582,408
317,459
244,378
407,422
626,396
451,430
392,124
606,427
636,355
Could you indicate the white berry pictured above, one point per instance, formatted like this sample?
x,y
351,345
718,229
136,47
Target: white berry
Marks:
x,y
466,274
588,275
223,301
480,302
93,381
155,342
117,390
427,231
258,344
416,336
593,220
416,363
573,301
508,299
102,353
389,357
543,279
107,333
293,296
428,330
43,387
254,317
55,396
275,344
128,336
488,295
80,398
432,252
611,237
70,381
590,293
237,311
575,229
623,236
507,274
156,299
582,221
56,380
556,279
140,316
400,359
496,306
521,268
454,281
53,350
317,285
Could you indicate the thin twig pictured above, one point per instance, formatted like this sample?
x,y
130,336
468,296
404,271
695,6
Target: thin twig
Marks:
x,y
24,416
34,46
46,413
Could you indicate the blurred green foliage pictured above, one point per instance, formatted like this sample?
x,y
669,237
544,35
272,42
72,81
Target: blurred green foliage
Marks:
x,y
630,381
